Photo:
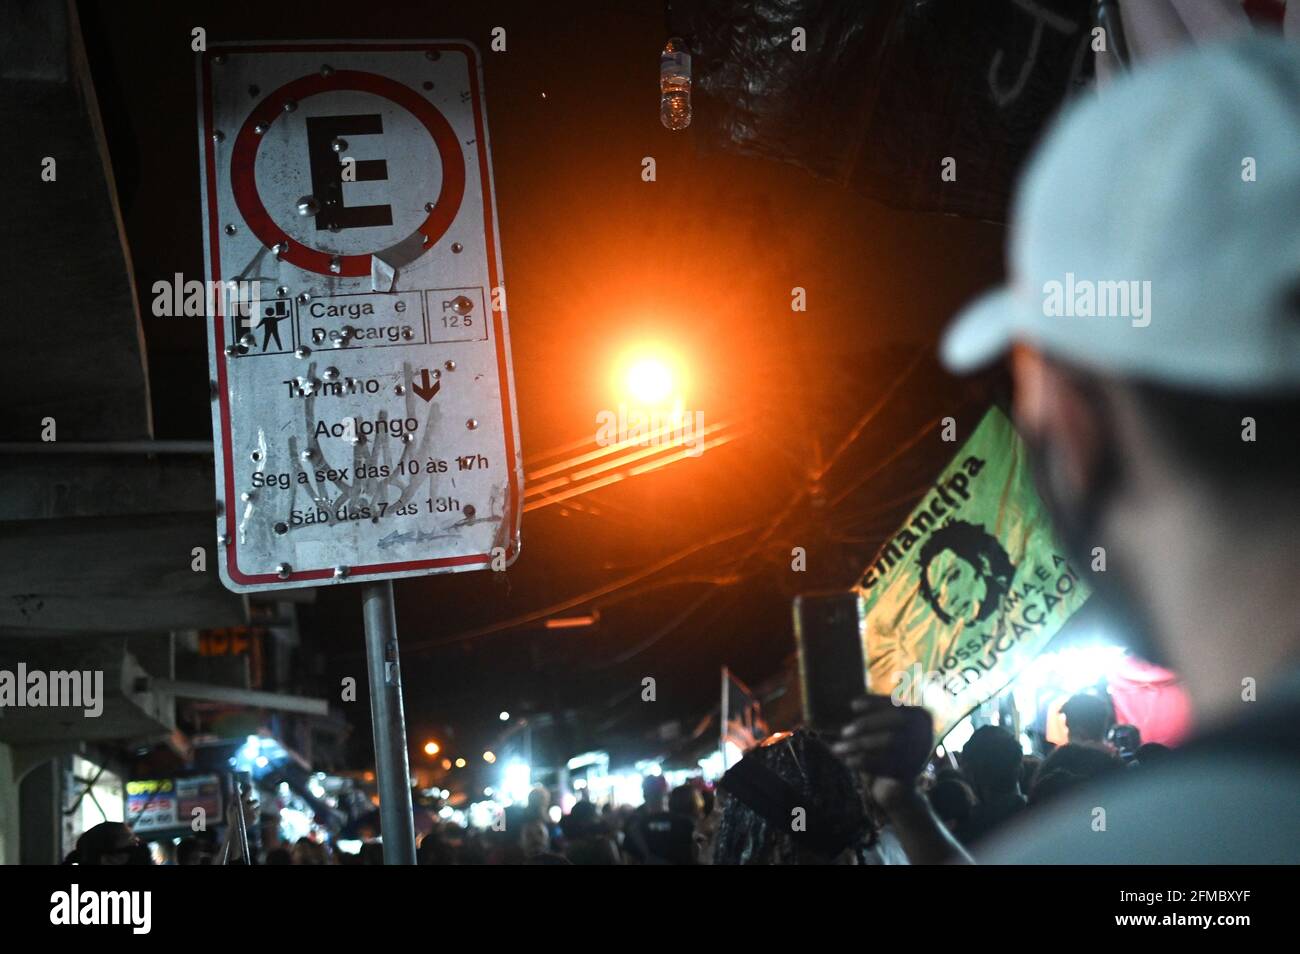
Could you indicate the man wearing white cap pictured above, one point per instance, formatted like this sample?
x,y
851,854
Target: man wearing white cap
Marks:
x,y
1152,322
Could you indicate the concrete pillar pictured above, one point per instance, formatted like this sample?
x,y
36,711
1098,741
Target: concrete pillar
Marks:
x,y
41,840
9,827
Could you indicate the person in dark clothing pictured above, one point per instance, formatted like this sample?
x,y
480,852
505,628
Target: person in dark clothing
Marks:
x,y
1151,753
991,762
1086,717
655,835
953,800
1126,740
109,843
1072,766
587,838
199,851
1166,440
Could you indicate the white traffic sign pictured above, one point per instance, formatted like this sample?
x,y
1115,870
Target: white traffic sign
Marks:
x,y
363,408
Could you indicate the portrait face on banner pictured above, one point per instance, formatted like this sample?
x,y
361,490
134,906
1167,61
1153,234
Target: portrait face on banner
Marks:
x,y
971,587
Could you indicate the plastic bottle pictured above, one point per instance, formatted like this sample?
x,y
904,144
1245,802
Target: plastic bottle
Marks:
x,y
675,85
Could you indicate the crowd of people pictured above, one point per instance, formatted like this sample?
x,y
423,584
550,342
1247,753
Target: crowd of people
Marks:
x,y
791,800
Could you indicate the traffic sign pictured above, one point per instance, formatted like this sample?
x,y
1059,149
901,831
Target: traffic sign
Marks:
x,y
363,399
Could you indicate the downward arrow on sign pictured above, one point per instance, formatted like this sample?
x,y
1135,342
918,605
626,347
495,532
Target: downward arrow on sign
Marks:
x,y
424,389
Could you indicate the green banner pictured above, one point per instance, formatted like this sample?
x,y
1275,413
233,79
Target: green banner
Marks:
x,y
971,587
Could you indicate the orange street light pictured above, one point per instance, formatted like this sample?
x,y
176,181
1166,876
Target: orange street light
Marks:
x,y
649,381
650,377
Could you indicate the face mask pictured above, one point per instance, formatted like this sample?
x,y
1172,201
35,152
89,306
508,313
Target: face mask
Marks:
x,y
1077,518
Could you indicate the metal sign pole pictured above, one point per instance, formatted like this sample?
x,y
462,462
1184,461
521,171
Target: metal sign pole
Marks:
x,y
392,765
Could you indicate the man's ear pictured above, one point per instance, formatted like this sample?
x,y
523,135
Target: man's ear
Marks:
x,y
1055,412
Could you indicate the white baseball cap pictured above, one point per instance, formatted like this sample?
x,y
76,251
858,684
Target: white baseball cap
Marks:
x,y
1156,232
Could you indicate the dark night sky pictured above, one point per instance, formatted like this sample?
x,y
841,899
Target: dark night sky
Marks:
x,y
704,258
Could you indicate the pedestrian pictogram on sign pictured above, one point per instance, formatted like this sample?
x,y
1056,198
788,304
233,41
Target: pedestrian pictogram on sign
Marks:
x,y
350,185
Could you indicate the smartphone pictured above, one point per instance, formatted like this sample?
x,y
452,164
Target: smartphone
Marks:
x,y
832,669
833,673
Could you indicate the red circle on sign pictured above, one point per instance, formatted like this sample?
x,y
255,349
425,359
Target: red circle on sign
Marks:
x,y
244,185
